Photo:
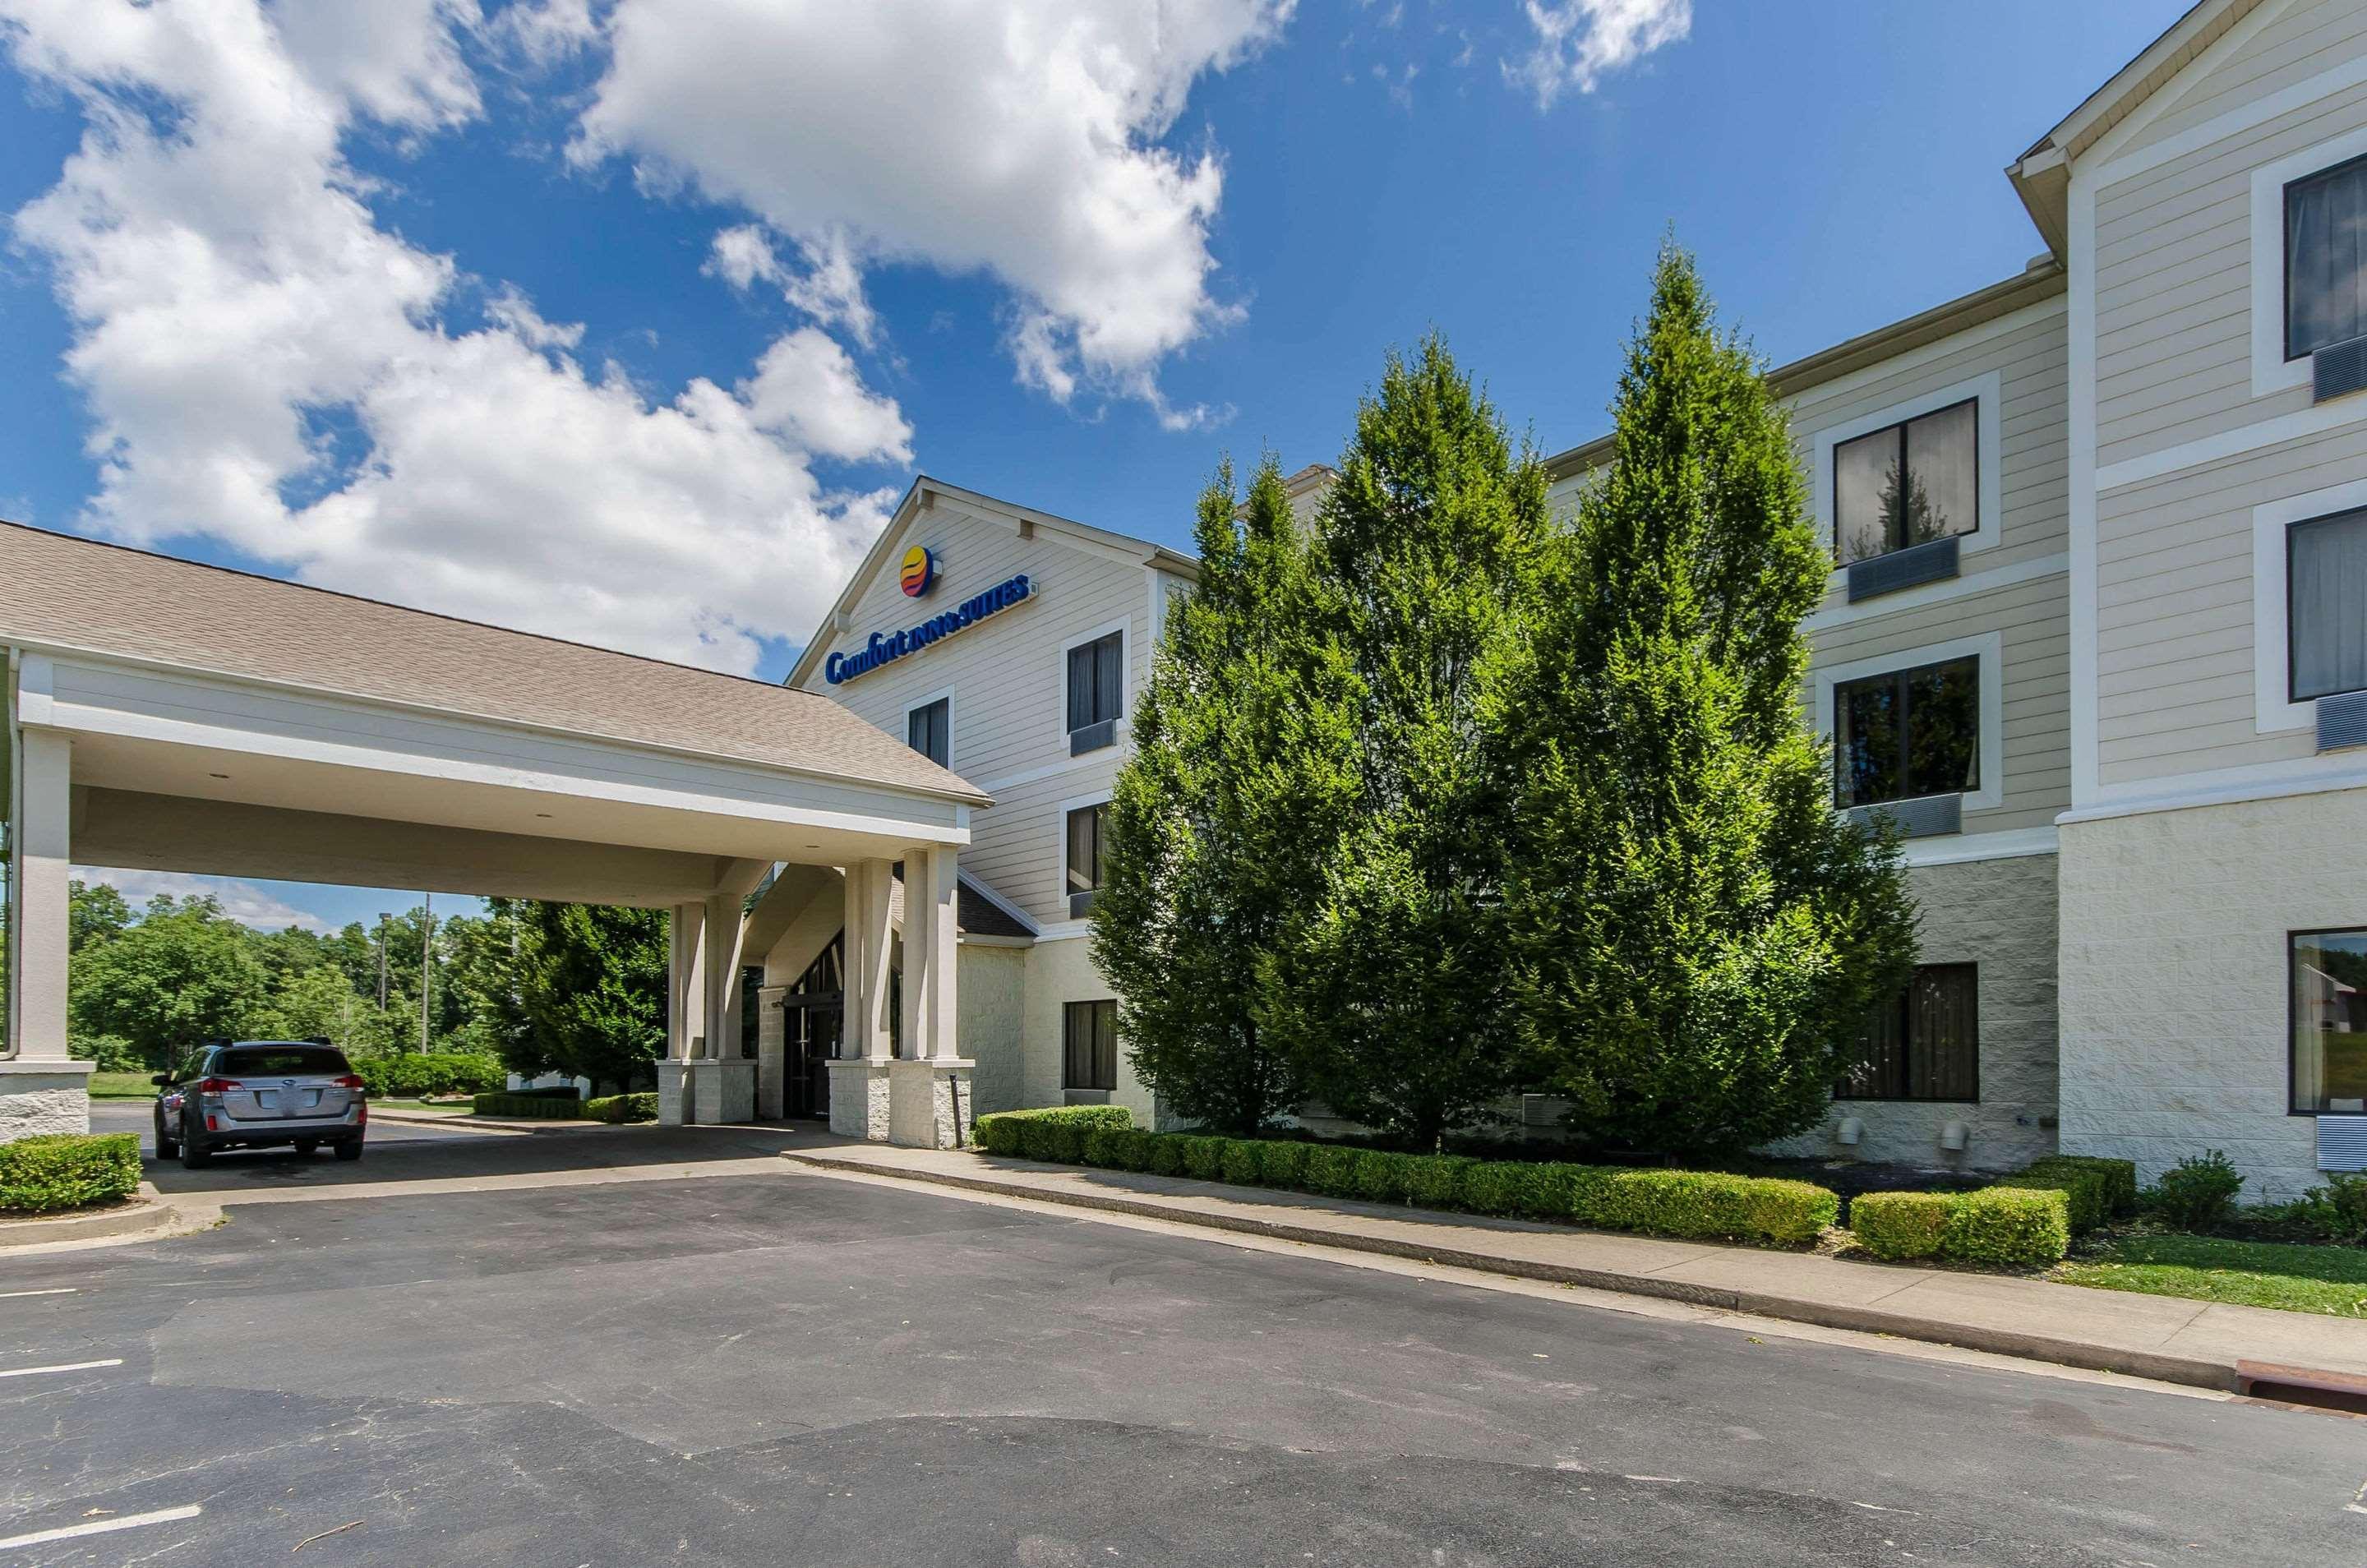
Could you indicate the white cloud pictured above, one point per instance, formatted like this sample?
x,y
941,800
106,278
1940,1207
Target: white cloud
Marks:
x,y
1020,140
241,901
243,325
1579,41
829,289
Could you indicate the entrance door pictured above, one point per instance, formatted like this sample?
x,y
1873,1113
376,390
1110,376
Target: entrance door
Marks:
x,y
816,1021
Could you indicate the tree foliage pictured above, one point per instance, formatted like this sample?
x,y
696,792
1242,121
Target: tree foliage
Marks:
x,y
1698,936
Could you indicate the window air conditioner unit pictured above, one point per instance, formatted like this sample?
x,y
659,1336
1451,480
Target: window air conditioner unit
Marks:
x,y
2338,370
1923,817
2342,721
2343,1143
1932,562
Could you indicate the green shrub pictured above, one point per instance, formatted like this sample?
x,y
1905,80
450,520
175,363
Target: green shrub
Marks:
x,y
1166,1155
1708,1204
2120,1177
440,1072
2197,1193
1102,1146
1282,1162
1901,1225
620,1108
65,1170
1435,1181
1331,1169
1050,1133
1493,1187
543,1107
1134,1147
2086,1193
2337,1211
1204,1155
1383,1177
1242,1162
2007,1226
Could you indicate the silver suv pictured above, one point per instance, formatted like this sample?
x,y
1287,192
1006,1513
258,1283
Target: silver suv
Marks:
x,y
254,1093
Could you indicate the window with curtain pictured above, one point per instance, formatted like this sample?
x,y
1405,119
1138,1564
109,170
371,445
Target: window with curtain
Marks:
x,y
1091,1040
1924,1044
1908,483
2325,258
929,730
1095,680
2328,978
1085,825
2325,605
1907,733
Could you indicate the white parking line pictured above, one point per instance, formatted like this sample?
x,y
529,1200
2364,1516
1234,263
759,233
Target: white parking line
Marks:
x,y
53,1290
68,1366
100,1527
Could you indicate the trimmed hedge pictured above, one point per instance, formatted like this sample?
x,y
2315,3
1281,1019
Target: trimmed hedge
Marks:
x,y
1901,1225
614,1108
434,1072
1061,1127
2086,1203
2015,1224
2120,1178
65,1170
1697,1204
549,1108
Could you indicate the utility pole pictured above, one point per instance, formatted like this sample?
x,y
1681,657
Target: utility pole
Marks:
x,y
382,919
427,964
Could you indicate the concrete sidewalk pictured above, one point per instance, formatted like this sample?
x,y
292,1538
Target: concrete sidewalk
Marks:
x,y
2236,1348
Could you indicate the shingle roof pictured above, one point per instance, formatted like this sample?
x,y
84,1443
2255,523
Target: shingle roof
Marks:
x,y
69,592
974,913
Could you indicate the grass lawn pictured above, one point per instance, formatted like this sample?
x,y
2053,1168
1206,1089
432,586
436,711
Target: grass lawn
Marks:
x,y
433,1108
2329,1280
121,1086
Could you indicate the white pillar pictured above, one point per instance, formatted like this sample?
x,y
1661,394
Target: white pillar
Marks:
x,y
930,1088
42,1089
685,1013
858,1081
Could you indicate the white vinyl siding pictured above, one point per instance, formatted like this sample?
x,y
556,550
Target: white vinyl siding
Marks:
x,y
2286,52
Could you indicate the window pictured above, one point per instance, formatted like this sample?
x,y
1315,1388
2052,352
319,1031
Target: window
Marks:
x,y
1085,826
1924,1044
1090,1037
280,1061
2329,1021
1908,483
2325,258
929,729
1096,678
1907,733
2325,606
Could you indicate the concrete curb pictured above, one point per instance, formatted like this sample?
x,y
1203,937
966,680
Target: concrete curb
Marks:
x,y
151,1217
2227,1377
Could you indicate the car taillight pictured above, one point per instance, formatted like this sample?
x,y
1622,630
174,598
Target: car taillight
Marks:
x,y
351,1080
218,1085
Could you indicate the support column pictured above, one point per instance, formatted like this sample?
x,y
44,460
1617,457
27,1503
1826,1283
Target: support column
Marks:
x,y
42,1089
931,1091
858,1082
724,1081
685,1012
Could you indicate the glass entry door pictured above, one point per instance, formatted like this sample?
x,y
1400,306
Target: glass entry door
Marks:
x,y
815,1021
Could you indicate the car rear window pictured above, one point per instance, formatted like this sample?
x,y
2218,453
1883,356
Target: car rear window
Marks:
x,y
281,1062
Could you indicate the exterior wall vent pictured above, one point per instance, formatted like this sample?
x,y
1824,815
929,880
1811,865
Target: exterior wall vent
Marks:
x,y
1092,738
2343,1143
1923,817
2338,370
1932,562
2342,721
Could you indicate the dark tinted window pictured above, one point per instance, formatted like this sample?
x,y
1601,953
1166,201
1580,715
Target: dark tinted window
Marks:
x,y
280,1062
2325,258
1085,826
1907,733
1925,1042
1908,483
2326,581
929,731
1095,681
1089,1031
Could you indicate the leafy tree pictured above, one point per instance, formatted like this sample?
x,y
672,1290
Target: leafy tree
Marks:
x,y
1205,854
183,972
592,985
95,912
1430,557
319,1004
483,980
1699,938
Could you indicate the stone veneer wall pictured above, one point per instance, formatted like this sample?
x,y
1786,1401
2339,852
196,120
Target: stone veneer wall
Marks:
x,y
2000,915
2174,954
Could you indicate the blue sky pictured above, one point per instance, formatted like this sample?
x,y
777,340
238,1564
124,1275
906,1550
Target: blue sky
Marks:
x,y
628,321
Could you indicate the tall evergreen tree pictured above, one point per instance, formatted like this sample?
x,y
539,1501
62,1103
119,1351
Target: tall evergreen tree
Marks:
x,y
1699,937
1429,558
1205,856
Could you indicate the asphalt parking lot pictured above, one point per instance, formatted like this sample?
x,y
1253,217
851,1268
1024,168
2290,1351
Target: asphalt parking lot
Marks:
x,y
787,1367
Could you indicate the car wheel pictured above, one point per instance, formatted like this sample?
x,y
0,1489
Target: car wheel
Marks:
x,y
351,1148
193,1152
306,1145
